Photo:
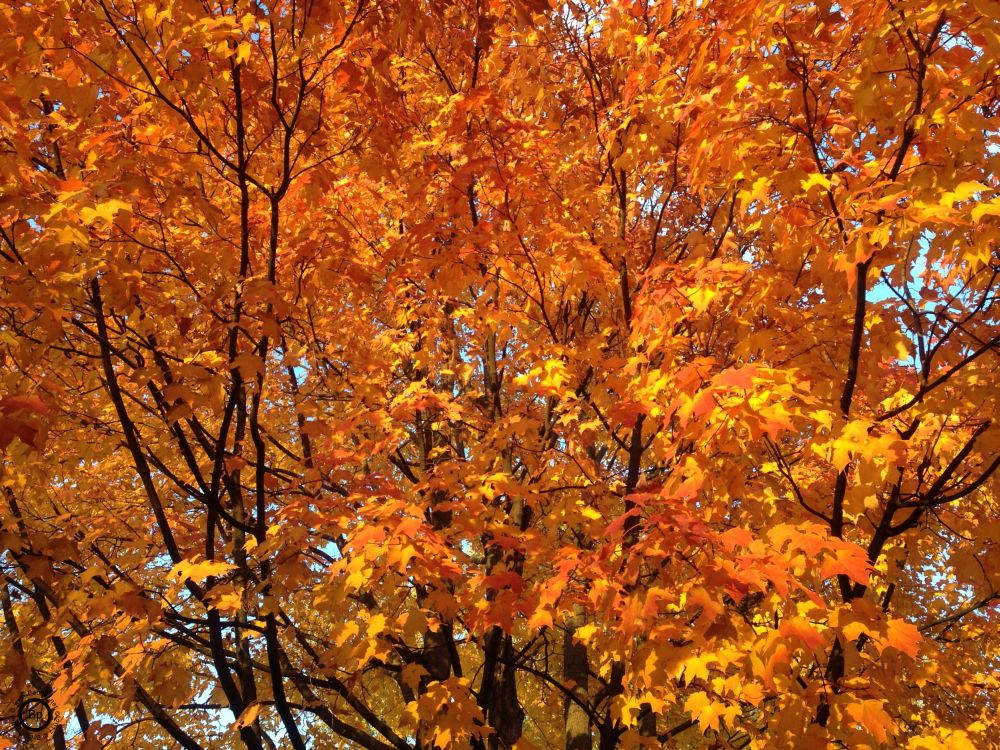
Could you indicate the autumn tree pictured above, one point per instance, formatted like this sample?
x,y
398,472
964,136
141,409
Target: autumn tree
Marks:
x,y
418,374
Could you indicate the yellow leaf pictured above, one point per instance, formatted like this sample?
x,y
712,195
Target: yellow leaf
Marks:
x,y
199,571
815,179
752,693
853,440
704,710
229,602
585,633
243,52
930,211
955,740
412,674
992,208
696,667
963,191
104,211
248,716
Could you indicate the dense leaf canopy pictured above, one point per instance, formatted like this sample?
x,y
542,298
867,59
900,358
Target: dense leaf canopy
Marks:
x,y
412,374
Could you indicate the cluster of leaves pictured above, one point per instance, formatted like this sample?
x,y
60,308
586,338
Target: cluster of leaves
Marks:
x,y
439,374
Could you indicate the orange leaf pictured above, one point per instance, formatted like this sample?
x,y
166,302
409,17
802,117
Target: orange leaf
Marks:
x,y
800,628
872,717
902,636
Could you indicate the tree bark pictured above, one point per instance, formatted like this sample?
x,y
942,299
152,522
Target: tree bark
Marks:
x,y
576,667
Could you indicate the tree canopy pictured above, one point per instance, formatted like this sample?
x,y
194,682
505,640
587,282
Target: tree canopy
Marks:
x,y
439,374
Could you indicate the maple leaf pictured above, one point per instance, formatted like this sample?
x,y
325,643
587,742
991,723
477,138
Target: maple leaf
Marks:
x,y
199,571
16,403
989,208
902,636
742,377
248,716
19,418
800,629
705,711
850,561
105,211
872,716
